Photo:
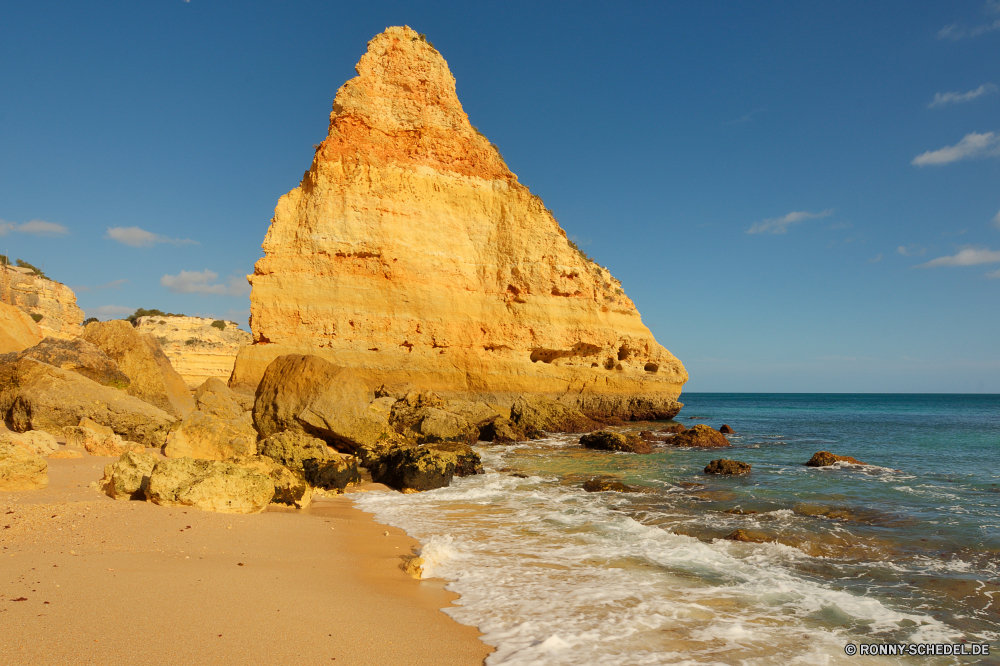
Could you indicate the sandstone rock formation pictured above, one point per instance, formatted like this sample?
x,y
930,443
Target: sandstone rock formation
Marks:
x,y
78,355
17,330
209,485
727,467
825,459
38,396
20,469
411,254
128,477
207,437
99,440
292,449
605,440
700,435
38,442
197,348
55,303
139,356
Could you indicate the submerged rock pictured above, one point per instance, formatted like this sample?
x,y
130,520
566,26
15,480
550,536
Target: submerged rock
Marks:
x,y
749,536
700,435
20,469
606,440
726,430
723,466
825,459
597,485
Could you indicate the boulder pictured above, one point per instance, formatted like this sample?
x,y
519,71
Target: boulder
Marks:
x,y
17,329
291,449
99,440
76,355
128,477
477,413
38,442
20,469
215,398
205,436
290,487
334,472
308,394
140,357
209,485
424,421
536,414
502,430
38,396
414,468
723,466
825,458
606,440
749,536
467,461
674,428
598,485
700,435
726,430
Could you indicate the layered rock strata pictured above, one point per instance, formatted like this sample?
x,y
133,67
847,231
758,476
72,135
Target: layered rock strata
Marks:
x,y
411,254
53,304
197,348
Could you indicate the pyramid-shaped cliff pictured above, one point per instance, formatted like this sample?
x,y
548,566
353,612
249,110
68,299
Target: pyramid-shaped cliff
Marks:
x,y
410,252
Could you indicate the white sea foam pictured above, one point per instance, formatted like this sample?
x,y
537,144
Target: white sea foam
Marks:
x,y
553,575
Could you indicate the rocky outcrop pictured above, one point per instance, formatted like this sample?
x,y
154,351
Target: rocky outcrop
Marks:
x,y
197,348
424,417
209,485
414,468
20,469
335,471
700,435
38,396
605,440
411,254
311,395
17,330
727,430
724,466
602,484
99,440
38,442
52,303
537,414
77,355
140,357
207,437
825,459
128,477
749,536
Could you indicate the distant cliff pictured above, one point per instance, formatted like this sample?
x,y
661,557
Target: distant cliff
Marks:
x,y
412,253
51,304
197,348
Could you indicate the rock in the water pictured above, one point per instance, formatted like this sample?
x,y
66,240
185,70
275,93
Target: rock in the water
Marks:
x,y
606,440
309,394
292,448
598,484
538,414
38,396
414,468
17,330
128,477
726,430
38,442
724,466
99,440
674,428
749,536
198,348
209,485
502,430
77,355
825,458
140,357
54,303
700,435
20,469
467,461
411,253
207,437
334,472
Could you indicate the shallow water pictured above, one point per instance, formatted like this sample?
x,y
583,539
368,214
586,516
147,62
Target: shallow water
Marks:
x,y
904,550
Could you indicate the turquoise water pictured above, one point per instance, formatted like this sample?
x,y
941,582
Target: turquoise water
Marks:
x,y
906,549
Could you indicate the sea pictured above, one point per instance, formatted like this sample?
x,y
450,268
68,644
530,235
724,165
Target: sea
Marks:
x,y
902,551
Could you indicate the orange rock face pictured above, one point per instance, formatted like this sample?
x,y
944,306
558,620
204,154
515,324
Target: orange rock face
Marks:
x,y
411,253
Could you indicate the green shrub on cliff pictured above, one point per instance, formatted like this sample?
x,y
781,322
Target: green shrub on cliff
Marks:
x,y
37,317
219,324
142,312
34,269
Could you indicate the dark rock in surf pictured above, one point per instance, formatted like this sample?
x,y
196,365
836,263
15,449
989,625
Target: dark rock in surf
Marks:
x,y
728,467
605,440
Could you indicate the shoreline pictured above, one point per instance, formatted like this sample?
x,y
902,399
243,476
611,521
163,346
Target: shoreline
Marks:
x,y
127,581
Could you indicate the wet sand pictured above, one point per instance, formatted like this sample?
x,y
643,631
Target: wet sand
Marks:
x,y
116,582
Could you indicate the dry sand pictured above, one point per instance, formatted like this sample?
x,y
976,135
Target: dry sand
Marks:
x,y
85,579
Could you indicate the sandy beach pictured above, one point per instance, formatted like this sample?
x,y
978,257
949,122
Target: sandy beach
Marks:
x,y
90,580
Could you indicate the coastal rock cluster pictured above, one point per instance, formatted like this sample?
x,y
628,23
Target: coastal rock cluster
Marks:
x,y
412,255
198,348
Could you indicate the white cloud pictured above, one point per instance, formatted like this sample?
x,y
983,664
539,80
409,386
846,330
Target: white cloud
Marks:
x,y
994,274
34,227
971,146
942,99
104,312
779,225
201,282
136,237
956,31
911,250
968,256
996,220
875,260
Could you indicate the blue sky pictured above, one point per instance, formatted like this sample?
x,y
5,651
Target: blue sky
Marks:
x,y
798,197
